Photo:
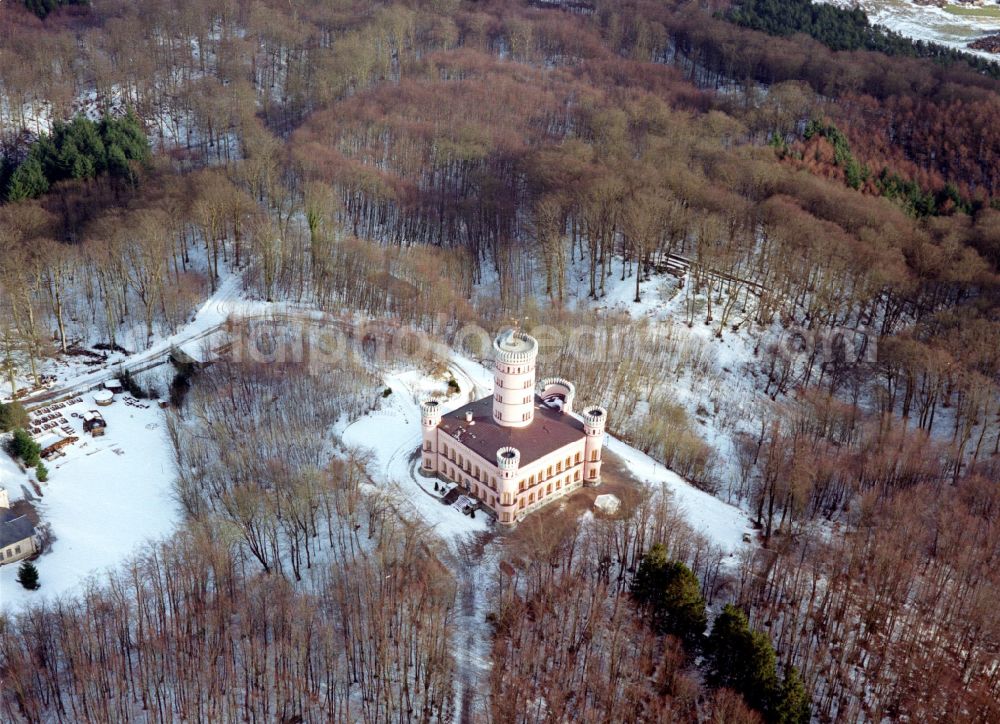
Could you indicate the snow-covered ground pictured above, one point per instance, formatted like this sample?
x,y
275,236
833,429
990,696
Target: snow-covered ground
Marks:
x,y
105,498
929,22
393,434
722,523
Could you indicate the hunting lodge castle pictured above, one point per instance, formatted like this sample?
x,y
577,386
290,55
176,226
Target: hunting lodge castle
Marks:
x,y
521,448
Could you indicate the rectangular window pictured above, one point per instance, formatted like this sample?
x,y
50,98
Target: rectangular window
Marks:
x,y
559,466
548,489
17,550
577,458
593,456
548,472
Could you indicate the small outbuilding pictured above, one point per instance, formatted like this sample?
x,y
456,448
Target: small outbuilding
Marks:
x,y
94,423
115,386
104,397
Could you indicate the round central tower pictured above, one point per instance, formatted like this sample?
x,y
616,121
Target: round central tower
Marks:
x,y
514,378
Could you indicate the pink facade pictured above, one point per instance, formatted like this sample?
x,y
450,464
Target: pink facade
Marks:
x,y
521,448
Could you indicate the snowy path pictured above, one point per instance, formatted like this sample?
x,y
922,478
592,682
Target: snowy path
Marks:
x,y
208,319
212,316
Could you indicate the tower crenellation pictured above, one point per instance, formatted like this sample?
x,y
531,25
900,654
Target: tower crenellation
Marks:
x,y
594,418
557,388
430,412
508,459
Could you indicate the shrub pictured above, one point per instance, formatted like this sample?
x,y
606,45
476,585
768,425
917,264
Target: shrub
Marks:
x,y
12,416
22,447
131,386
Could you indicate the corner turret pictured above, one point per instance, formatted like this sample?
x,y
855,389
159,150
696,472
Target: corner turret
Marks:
x,y
594,420
430,418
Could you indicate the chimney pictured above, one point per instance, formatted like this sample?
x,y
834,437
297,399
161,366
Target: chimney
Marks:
x,y
468,415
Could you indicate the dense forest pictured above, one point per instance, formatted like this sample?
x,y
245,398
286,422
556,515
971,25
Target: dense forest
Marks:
x,y
844,29
78,150
834,191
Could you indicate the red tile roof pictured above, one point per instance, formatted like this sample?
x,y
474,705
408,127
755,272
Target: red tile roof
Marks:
x,y
550,430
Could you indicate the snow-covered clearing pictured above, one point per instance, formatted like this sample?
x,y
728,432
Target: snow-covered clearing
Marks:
x,y
722,523
105,498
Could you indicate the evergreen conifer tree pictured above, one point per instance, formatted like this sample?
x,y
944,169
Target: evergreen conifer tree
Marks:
x,y
742,660
793,705
27,575
28,181
669,590
22,446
